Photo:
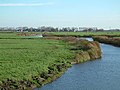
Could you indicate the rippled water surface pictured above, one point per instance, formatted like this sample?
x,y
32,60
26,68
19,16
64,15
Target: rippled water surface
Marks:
x,y
101,74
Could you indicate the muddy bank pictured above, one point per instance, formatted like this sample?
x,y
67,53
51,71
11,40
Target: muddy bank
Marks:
x,y
53,35
83,51
54,72
108,40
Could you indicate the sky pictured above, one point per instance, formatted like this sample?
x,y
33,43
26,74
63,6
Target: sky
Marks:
x,y
60,13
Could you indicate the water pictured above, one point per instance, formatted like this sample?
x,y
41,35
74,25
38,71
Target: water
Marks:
x,y
101,74
34,36
89,39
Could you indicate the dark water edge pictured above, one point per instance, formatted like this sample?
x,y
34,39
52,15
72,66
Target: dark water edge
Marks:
x,y
102,74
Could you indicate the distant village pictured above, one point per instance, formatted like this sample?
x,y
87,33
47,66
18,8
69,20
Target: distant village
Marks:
x,y
52,29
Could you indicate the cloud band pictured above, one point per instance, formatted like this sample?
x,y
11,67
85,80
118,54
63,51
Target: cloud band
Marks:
x,y
25,4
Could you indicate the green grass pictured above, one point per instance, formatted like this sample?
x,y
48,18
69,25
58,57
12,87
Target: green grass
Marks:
x,y
86,33
5,35
23,58
14,35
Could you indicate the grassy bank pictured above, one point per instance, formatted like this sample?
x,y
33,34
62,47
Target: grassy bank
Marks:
x,y
21,59
28,63
108,40
14,35
86,34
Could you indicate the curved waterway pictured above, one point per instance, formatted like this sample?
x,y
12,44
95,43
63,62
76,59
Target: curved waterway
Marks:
x,y
101,74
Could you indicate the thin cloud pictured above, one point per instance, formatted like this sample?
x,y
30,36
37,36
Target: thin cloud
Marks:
x,y
25,4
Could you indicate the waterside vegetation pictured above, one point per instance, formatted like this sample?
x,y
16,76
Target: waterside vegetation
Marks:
x,y
85,34
26,63
115,41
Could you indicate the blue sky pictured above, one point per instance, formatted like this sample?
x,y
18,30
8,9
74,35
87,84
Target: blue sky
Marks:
x,y
60,13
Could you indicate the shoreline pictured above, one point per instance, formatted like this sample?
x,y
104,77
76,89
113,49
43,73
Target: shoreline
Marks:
x,y
108,40
82,57
69,35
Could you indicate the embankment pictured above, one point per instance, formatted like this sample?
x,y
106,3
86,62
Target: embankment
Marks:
x,y
108,40
84,50
81,34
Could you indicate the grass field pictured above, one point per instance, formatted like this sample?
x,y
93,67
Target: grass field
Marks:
x,y
86,33
8,35
15,36
20,59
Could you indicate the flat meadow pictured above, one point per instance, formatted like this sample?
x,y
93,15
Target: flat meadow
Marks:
x,y
20,59
110,33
